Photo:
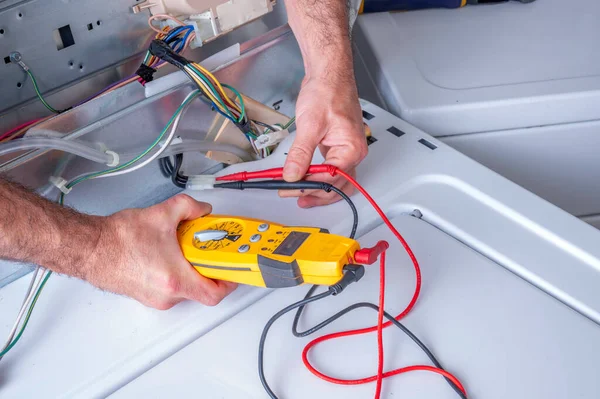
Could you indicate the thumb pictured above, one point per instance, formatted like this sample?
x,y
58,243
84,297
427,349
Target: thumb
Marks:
x,y
183,207
300,156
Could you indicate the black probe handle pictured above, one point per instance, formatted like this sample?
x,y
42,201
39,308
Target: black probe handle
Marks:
x,y
275,185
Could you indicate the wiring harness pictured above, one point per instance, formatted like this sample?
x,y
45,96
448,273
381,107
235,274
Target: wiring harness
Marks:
x,y
215,93
179,39
240,181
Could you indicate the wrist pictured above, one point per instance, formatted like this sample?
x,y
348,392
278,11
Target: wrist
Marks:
x,y
323,34
334,68
104,251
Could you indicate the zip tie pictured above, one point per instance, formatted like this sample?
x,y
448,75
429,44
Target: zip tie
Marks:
x,y
115,160
60,183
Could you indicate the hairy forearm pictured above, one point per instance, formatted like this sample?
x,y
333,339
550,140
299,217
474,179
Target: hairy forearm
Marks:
x,y
321,28
35,230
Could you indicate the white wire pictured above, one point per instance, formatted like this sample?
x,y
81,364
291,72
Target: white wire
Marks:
x,y
165,144
33,287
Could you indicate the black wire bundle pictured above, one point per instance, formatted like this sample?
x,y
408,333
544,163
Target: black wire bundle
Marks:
x,y
172,171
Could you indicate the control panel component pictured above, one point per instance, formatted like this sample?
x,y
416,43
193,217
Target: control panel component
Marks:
x,y
264,254
210,18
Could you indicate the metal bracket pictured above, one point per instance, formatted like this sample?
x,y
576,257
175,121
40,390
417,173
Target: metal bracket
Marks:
x,y
63,42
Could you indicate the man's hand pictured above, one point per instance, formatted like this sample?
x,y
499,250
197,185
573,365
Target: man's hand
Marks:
x,y
138,255
328,113
133,252
328,117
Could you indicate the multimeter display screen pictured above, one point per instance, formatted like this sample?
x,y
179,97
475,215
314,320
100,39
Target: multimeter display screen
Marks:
x,y
291,243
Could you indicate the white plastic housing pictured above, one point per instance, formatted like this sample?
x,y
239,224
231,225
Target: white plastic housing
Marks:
x,y
210,18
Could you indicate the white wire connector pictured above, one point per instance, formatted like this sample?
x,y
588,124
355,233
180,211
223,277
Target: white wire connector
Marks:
x,y
201,182
115,160
60,183
270,139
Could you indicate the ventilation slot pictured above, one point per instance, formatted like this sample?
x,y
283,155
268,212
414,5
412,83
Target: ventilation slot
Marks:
x,y
395,131
367,115
427,144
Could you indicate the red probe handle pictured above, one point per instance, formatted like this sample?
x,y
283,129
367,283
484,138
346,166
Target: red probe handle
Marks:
x,y
368,256
276,173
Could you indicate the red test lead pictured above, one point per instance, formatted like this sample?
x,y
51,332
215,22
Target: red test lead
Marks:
x,y
364,256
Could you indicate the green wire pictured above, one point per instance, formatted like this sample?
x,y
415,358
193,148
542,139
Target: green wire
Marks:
x,y
61,201
239,96
290,123
35,298
39,94
143,154
215,93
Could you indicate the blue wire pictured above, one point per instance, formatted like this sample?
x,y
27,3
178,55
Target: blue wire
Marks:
x,y
214,107
175,32
187,35
181,45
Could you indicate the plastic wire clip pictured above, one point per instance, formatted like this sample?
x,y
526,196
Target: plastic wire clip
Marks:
x,y
115,160
60,183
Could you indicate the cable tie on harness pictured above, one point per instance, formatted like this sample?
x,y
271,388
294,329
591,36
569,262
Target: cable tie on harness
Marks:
x,y
115,160
160,49
60,183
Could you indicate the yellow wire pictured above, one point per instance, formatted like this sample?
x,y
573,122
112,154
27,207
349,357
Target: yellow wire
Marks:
x,y
219,87
206,90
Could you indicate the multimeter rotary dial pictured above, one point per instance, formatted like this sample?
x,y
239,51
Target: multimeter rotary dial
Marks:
x,y
218,236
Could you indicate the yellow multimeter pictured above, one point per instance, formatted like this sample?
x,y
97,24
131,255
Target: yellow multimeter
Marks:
x,y
264,254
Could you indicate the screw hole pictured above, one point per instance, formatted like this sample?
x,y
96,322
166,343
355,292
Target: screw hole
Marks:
x,y
19,84
1,31
98,22
81,67
20,15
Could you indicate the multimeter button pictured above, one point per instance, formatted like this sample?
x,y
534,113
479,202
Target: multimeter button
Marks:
x,y
210,235
244,248
263,227
255,238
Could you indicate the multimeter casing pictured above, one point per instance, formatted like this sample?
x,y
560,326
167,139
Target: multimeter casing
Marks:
x,y
264,254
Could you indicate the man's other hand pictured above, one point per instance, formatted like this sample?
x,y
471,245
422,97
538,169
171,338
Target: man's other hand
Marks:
x,y
138,255
328,116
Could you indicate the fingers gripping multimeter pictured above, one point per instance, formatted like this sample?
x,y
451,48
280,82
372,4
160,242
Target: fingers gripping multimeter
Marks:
x,y
264,254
